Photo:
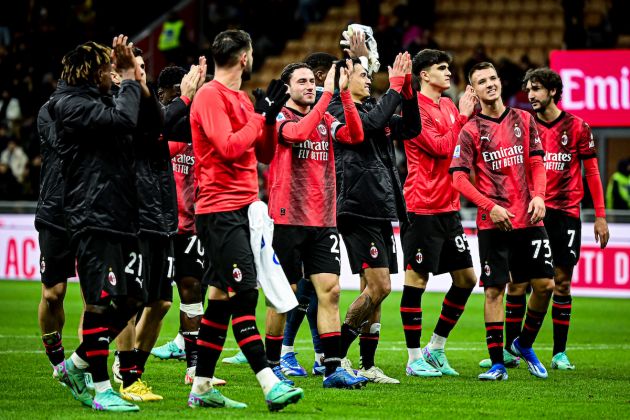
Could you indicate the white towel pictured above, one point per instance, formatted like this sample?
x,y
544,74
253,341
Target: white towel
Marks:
x,y
371,64
271,277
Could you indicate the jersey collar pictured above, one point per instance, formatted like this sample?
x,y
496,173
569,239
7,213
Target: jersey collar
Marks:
x,y
496,120
551,123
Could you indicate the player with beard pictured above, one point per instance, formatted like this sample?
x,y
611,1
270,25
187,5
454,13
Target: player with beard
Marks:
x,y
568,142
230,136
302,203
502,146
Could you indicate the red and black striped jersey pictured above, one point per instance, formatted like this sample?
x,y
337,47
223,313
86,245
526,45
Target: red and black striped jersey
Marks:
x,y
302,179
498,151
183,160
567,140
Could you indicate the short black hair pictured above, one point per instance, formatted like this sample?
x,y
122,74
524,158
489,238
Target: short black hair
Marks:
x,y
479,66
320,61
228,45
548,78
170,76
287,72
428,57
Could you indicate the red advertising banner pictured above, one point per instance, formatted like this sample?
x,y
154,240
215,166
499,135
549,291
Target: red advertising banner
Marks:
x,y
596,85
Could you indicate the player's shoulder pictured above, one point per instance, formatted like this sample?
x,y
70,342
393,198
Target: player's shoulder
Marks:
x,y
575,121
522,114
472,124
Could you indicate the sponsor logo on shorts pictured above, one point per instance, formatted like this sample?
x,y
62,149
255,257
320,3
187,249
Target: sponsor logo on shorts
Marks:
x,y
517,131
42,266
419,257
373,251
112,278
237,274
486,269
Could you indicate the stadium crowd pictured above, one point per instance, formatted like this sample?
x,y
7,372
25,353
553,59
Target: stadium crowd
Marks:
x,y
45,25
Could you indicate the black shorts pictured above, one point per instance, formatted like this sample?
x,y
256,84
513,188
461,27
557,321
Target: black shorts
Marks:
x,y
225,236
565,237
56,260
523,253
307,250
435,243
158,258
190,257
109,266
370,244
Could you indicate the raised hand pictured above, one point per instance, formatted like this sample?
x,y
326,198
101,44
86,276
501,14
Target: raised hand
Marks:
x,y
190,81
358,47
271,102
344,77
467,102
203,70
398,68
329,82
123,59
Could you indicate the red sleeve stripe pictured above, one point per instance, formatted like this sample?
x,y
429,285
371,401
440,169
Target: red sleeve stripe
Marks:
x,y
274,337
413,310
330,334
95,330
453,305
412,327
249,340
243,319
213,324
95,353
209,345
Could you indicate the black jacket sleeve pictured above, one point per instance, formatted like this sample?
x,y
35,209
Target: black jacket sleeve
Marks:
x,y
177,121
409,125
123,118
380,115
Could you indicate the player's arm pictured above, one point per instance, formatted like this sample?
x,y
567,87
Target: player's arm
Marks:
x,y
352,131
177,120
461,166
588,154
215,122
538,173
300,131
409,125
441,145
265,146
121,118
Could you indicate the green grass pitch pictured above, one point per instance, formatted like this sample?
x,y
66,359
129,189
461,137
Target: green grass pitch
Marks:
x,y
599,342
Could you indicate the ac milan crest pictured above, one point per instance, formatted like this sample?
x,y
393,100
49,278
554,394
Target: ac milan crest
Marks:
x,y
112,278
237,275
517,131
322,129
419,257
42,266
486,269
373,251
565,139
